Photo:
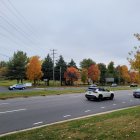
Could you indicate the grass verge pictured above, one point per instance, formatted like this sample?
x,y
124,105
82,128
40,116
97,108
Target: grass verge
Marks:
x,y
119,125
53,91
16,94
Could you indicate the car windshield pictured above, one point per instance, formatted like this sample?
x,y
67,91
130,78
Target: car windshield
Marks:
x,y
92,89
138,89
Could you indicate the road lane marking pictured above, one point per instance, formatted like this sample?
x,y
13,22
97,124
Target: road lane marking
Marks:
x,y
87,111
4,103
59,122
11,111
102,107
66,116
123,102
37,123
114,104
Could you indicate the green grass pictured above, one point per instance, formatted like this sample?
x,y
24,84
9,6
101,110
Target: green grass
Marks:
x,y
53,91
120,125
8,83
16,94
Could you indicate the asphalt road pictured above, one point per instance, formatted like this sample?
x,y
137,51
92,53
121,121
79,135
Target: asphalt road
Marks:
x,y
22,113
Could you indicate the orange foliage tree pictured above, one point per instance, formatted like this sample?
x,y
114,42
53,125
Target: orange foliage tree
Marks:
x,y
134,77
94,73
72,74
125,74
34,69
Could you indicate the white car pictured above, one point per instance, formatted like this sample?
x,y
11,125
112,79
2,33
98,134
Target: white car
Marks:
x,y
99,93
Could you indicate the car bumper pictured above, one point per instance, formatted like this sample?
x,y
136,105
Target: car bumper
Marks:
x,y
136,95
90,96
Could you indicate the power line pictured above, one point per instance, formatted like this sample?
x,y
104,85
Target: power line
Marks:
x,y
4,55
16,27
22,18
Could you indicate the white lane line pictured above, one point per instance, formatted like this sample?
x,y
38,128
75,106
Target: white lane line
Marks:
x,y
123,102
66,116
4,103
102,107
114,104
87,111
37,123
10,111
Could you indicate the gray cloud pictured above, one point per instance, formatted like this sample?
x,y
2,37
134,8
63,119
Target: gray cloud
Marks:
x,y
100,29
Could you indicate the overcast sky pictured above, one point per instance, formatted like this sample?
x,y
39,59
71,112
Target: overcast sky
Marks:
x,y
98,29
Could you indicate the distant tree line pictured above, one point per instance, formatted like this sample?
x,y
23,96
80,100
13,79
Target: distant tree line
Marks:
x,y
21,67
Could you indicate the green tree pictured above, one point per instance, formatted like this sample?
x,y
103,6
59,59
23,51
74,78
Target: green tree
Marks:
x,y
60,67
103,71
47,68
3,64
84,75
72,64
110,70
17,66
86,63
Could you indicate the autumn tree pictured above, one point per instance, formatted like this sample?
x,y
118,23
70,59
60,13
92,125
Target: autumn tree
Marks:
x,y
17,66
134,77
94,73
34,69
125,74
134,57
86,63
84,75
72,74
47,69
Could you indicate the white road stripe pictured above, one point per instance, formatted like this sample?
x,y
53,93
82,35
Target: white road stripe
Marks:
x,y
123,102
114,104
66,116
10,111
37,123
87,110
4,103
102,107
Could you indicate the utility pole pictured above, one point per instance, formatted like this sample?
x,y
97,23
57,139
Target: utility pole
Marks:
x,y
53,53
60,75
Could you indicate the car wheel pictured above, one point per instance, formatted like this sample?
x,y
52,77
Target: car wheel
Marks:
x,y
100,98
88,99
135,96
111,96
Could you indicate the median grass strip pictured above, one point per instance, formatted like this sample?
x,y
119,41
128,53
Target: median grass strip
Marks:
x,y
119,125
53,91
16,94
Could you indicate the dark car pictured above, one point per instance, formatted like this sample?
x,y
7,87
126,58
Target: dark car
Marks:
x,y
136,93
17,86
133,85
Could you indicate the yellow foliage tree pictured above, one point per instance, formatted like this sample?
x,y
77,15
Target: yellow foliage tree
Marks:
x,y
34,72
125,73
